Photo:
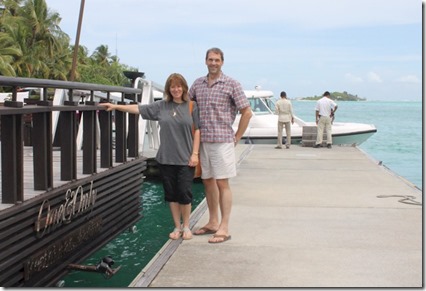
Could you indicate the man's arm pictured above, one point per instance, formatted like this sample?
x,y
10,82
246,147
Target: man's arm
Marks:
x,y
316,116
246,114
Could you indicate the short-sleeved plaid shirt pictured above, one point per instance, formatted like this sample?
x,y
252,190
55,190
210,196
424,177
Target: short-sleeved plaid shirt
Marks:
x,y
218,106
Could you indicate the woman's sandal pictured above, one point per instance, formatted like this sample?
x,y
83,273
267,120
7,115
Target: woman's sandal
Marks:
x,y
175,234
186,233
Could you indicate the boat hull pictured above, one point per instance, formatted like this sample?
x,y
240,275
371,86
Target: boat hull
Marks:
x,y
356,138
262,129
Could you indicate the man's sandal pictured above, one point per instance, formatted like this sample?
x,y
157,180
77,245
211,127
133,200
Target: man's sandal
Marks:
x,y
205,230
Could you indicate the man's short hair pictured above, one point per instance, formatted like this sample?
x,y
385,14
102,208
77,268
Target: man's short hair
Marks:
x,y
216,51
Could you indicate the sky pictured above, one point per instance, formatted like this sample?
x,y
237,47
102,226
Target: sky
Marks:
x,y
368,48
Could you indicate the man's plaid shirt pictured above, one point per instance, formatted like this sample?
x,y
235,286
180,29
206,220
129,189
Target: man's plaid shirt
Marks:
x,y
218,107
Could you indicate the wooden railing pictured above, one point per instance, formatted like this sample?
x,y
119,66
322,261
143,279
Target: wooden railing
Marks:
x,y
12,133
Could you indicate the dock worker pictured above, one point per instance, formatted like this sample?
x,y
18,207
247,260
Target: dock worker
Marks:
x,y
284,110
324,112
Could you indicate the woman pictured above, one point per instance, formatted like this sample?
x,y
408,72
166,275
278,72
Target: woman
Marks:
x,y
177,155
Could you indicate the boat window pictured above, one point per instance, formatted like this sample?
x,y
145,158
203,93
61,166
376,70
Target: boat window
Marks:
x,y
270,103
258,106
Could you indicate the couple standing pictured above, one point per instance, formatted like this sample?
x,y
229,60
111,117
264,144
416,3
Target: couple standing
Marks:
x,y
217,99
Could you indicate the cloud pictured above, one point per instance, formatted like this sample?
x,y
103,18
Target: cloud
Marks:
x,y
409,79
374,77
299,46
353,78
156,15
371,77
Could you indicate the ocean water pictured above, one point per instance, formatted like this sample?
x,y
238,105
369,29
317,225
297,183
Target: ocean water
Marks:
x,y
133,251
398,141
397,144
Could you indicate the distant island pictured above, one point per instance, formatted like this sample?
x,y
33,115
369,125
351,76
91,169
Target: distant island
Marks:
x,y
338,96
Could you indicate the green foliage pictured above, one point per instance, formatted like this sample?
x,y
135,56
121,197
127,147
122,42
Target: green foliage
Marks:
x,y
33,45
338,96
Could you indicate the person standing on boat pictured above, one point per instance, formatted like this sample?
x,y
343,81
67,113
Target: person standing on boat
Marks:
x,y
219,97
284,110
324,112
177,155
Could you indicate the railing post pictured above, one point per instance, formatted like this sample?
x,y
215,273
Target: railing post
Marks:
x,y
42,151
14,102
120,135
68,146
12,151
133,135
89,140
105,124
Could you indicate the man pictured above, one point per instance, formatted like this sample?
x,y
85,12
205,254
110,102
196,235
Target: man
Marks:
x,y
219,97
324,111
284,109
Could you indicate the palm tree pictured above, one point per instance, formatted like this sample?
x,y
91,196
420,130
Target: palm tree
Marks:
x,y
9,51
101,55
33,45
45,38
9,7
59,65
83,61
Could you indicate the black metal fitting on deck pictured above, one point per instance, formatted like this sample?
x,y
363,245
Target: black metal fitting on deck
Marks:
x,y
103,267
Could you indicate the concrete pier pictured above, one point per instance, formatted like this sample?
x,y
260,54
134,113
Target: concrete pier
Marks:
x,y
304,217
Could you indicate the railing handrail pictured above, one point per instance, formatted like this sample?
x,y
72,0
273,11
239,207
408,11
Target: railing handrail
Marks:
x,y
32,82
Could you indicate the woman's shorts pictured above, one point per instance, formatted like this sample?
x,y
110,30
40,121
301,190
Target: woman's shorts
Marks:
x,y
217,160
177,183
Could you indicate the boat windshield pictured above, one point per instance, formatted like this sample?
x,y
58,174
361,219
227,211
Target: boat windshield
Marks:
x,y
270,103
261,106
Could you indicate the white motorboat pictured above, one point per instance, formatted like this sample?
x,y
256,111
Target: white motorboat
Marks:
x,y
262,128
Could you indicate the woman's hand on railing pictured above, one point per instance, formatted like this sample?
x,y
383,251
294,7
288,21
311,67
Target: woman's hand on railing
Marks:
x,y
107,106
131,108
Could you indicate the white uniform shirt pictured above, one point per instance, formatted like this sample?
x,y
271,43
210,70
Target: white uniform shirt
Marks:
x,y
324,106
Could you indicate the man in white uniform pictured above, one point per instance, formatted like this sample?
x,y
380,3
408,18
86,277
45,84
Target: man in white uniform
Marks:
x,y
324,110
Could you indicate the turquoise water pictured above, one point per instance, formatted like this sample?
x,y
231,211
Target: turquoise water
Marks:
x,y
132,251
397,143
